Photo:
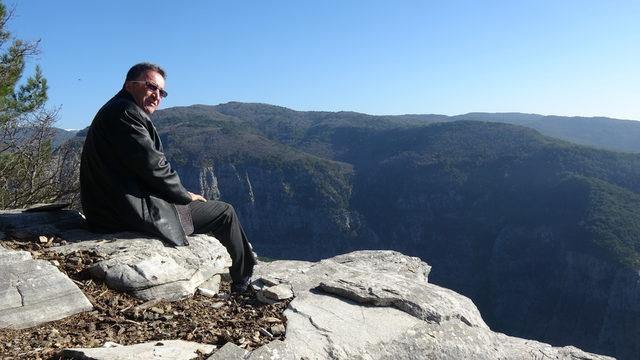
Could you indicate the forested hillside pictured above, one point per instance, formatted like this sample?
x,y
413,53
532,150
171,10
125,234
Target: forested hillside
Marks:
x,y
539,232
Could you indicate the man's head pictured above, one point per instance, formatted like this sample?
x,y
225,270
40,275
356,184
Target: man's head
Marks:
x,y
145,82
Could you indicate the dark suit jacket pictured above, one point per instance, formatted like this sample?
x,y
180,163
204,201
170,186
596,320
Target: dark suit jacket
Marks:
x,y
126,182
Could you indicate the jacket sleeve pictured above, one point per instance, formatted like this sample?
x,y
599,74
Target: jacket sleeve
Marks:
x,y
134,146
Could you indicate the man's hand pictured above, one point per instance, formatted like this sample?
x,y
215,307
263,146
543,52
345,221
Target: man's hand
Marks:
x,y
196,197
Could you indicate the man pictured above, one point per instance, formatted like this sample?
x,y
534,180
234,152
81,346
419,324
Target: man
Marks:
x,y
126,183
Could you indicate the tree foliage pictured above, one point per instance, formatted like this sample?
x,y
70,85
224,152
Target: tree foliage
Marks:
x,y
31,170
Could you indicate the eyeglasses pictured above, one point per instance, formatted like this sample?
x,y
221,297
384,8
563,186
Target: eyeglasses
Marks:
x,y
152,87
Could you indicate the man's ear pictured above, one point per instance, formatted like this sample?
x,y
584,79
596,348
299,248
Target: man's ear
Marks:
x,y
127,85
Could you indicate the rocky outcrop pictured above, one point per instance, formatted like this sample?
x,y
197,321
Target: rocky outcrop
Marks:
x,y
360,305
368,305
378,305
146,267
142,266
35,291
21,224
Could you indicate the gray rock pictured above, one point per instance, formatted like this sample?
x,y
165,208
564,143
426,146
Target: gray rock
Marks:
x,y
425,301
8,257
275,350
263,299
386,262
455,340
378,305
147,267
165,350
278,292
206,292
292,272
20,224
263,282
228,352
211,286
33,292
277,329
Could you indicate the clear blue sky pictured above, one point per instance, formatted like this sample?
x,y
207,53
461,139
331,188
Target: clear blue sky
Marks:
x,y
573,57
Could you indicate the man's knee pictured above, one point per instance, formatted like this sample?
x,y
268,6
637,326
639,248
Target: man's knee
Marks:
x,y
229,212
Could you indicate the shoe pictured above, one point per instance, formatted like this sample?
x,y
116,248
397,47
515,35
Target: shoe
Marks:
x,y
240,287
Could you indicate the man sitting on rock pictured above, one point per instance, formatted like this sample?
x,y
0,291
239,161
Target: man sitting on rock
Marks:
x,y
127,183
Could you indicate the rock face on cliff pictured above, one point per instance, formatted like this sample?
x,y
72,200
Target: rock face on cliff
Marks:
x,y
299,199
379,305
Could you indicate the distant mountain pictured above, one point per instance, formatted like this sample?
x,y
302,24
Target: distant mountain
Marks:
x,y
62,135
543,234
59,135
602,132
287,125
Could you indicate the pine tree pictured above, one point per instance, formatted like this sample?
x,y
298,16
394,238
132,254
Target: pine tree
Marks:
x,y
30,170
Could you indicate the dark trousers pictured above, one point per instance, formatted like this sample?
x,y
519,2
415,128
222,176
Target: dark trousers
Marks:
x,y
220,219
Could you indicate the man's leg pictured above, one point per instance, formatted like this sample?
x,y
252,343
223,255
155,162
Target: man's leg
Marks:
x,y
221,220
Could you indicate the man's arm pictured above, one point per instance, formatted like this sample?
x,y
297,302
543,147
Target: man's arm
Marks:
x,y
134,147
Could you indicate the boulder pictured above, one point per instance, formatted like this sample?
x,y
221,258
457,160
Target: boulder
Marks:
x,y
278,292
384,279
33,292
143,266
210,287
147,267
271,293
165,350
21,224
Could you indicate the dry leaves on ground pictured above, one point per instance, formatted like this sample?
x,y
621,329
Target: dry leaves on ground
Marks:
x,y
122,319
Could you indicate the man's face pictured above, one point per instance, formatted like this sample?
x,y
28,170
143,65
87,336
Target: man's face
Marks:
x,y
143,93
